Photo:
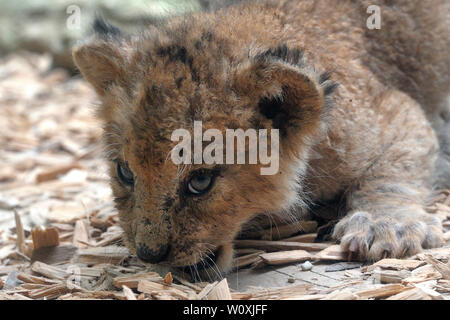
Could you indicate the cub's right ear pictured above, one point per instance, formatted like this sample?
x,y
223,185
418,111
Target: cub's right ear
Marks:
x,y
101,60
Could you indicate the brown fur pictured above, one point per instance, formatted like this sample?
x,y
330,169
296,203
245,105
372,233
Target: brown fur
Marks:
x,y
367,144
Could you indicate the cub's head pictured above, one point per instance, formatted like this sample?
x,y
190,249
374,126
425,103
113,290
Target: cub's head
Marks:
x,y
187,215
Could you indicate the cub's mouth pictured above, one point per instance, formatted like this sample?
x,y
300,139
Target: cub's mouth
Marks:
x,y
207,268
210,267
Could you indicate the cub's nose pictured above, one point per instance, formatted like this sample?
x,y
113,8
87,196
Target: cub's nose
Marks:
x,y
152,256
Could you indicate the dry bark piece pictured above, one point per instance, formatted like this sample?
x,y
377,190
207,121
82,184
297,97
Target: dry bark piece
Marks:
x,y
332,253
168,279
66,213
246,251
381,292
443,268
247,260
43,238
287,230
28,278
54,172
20,241
53,255
6,251
110,254
49,292
271,246
391,276
283,257
205,291
220,291
273,293
341,266
48,271
345,294
154,288
128,293
308,238
395,264
421,274
410,294
81,234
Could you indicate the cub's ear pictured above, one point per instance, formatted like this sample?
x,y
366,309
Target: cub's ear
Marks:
x,y
101,60
288,94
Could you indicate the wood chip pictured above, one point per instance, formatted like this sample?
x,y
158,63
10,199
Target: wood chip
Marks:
x,y
49,292
53,255
410,294
42,238
128,293
81,234
110,254
283,257
341,266
28,278
395,264
308,238
441,267
271,246
168,279
66,213
221,291
151,287
282,293
205,291
284,231
48,271
53,173
381,292
421,274
345,294
331,253
132,281
20,241
247,260
391,276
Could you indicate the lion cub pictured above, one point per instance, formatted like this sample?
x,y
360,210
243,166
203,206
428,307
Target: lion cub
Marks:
x,y
348,103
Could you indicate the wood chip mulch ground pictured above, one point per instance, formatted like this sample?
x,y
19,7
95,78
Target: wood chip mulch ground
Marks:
x,y
59,237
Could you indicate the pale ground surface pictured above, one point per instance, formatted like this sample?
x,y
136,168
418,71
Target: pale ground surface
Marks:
x,y
52,175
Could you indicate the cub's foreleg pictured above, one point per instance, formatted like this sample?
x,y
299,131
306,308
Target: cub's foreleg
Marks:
x,y
385,206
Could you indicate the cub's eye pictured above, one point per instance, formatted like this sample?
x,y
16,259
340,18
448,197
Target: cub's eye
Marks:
x,y
125,174
200,184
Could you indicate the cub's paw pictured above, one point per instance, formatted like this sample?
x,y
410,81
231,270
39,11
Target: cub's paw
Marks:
x,y
368,237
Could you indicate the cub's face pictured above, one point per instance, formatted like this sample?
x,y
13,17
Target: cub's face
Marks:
x,y
187,215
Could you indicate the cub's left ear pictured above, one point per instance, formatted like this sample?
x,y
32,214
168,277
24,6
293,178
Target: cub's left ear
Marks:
x,y
288,94
102,59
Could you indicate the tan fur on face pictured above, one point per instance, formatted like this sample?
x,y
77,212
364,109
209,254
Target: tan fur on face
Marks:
x,y
265,66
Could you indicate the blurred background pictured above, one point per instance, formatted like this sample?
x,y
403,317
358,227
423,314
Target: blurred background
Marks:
x,y
53,27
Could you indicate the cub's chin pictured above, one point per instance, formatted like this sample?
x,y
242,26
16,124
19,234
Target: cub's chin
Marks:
x,y
212,267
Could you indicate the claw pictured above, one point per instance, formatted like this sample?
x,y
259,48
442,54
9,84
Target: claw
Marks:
x,y
352,249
